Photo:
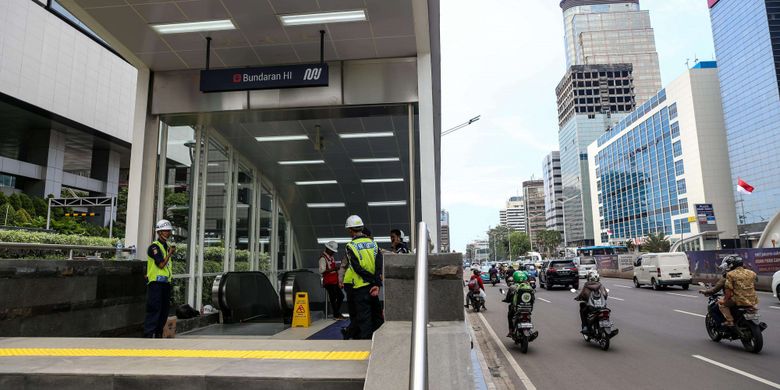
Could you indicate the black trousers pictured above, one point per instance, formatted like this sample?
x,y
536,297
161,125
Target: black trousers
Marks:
x,y
377,313
584,310
158,304
335,297
362,322
349,331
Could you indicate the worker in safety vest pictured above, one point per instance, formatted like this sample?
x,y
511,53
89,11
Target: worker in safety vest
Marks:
x,y
329,269
159,272
363,273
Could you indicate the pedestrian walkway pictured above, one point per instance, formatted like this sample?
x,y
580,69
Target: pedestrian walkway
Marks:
x,y
201,363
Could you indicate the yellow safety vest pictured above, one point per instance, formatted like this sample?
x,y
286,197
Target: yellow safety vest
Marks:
x,y
365,250
155,273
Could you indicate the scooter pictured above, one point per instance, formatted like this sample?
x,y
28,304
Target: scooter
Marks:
x,y
523,331
477,302
494,279
747,324
600,327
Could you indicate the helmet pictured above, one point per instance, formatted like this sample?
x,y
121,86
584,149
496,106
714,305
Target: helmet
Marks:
x,y
475,271
354,221
593,276
519,277
731,262
332,245
163,224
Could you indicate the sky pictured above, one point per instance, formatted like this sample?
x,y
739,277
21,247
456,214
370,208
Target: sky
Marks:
x,y
502,59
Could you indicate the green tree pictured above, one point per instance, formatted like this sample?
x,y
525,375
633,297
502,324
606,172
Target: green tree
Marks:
x,y
3,198
498,242
657,243
14,201
521,244
549,241
40,206
120,225
630,245
7,214
22,218
27,204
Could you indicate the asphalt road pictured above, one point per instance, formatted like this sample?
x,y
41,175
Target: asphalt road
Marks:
x,y
660,335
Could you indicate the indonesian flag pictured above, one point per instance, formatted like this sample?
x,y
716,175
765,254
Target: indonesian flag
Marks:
x,y
743,187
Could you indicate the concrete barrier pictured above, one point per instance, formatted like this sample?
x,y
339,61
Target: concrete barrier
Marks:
x,y
59,298
449,342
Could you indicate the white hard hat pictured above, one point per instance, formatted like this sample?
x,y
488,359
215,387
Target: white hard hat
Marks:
x,y
332,245
163,224
354,221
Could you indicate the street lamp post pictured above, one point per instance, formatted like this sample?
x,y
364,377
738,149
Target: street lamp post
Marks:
x,y
460,126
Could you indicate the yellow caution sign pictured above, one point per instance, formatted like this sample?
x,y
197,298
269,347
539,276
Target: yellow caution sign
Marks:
x,y
301,316
692,219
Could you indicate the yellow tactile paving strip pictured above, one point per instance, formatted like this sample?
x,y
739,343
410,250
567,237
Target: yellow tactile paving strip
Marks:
x,y
186,353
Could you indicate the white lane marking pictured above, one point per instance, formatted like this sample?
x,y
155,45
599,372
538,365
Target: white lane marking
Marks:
x,y
512,362
682,295
687,312
620,285
740,372
619,299
775,307
542,299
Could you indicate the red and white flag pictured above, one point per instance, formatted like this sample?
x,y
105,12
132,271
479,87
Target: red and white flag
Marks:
x,y
744,187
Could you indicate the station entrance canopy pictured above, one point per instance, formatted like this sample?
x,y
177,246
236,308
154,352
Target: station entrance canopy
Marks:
x,y
277,171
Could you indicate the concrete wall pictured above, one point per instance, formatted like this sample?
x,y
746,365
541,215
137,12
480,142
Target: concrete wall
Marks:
x,y
60,298
47,63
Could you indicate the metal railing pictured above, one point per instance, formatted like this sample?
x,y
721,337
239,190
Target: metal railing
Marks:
x,y
418,373
65,247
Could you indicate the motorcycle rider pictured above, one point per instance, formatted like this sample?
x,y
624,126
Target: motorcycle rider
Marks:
x,y
723,267
475,286
510,271
591,287
517,289
739,289
493,272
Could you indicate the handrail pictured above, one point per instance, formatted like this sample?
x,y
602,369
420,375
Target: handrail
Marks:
x,y
418,373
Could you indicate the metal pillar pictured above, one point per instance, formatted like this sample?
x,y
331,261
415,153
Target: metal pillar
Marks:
x,y
412,178
193,228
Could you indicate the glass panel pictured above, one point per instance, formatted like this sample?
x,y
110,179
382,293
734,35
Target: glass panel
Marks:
x,y
177,187
243,217
216,204
282,236
179,292
264,230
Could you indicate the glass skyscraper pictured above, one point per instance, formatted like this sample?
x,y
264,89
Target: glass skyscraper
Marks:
x,y
650,171
612,65
747,44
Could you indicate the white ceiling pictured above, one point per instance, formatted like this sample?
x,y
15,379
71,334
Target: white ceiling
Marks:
x,y
260,38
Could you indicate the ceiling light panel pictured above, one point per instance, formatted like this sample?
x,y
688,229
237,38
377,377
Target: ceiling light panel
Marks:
x,y
302,162
179,28
387,203
279,138
381,134
323,18
388,180
315,182
325,205
375,160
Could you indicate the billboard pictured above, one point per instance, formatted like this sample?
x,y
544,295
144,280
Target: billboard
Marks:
x,y
705,215
712,3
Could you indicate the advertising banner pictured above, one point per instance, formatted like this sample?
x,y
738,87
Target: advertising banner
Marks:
x,y
705,215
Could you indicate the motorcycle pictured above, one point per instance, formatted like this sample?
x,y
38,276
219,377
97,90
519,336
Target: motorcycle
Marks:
x,y
747,324
477,302
494,279
599,326
523,331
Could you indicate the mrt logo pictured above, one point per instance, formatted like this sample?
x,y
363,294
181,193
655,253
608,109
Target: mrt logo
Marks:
x,y
237,78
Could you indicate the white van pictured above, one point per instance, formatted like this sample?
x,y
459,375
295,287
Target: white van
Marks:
x,y
585,264
662,269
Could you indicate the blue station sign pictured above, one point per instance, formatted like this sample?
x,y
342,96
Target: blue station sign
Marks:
x,y
268,77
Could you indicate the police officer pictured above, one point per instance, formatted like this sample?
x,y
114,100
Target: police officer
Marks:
x,y
158,278
363,273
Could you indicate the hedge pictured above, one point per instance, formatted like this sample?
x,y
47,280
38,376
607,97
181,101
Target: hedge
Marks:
x,y
50,238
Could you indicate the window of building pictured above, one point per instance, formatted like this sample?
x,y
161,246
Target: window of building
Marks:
x,y
681,187
675,129
677,147
673,111
683,205
679,167
7,181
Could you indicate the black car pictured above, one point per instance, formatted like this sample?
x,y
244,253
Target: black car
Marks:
x,y
559,273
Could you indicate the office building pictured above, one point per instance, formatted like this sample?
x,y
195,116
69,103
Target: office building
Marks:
x,y
664,168
553,191
444,235
536,219
613,32
513,216
746,39
591,99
